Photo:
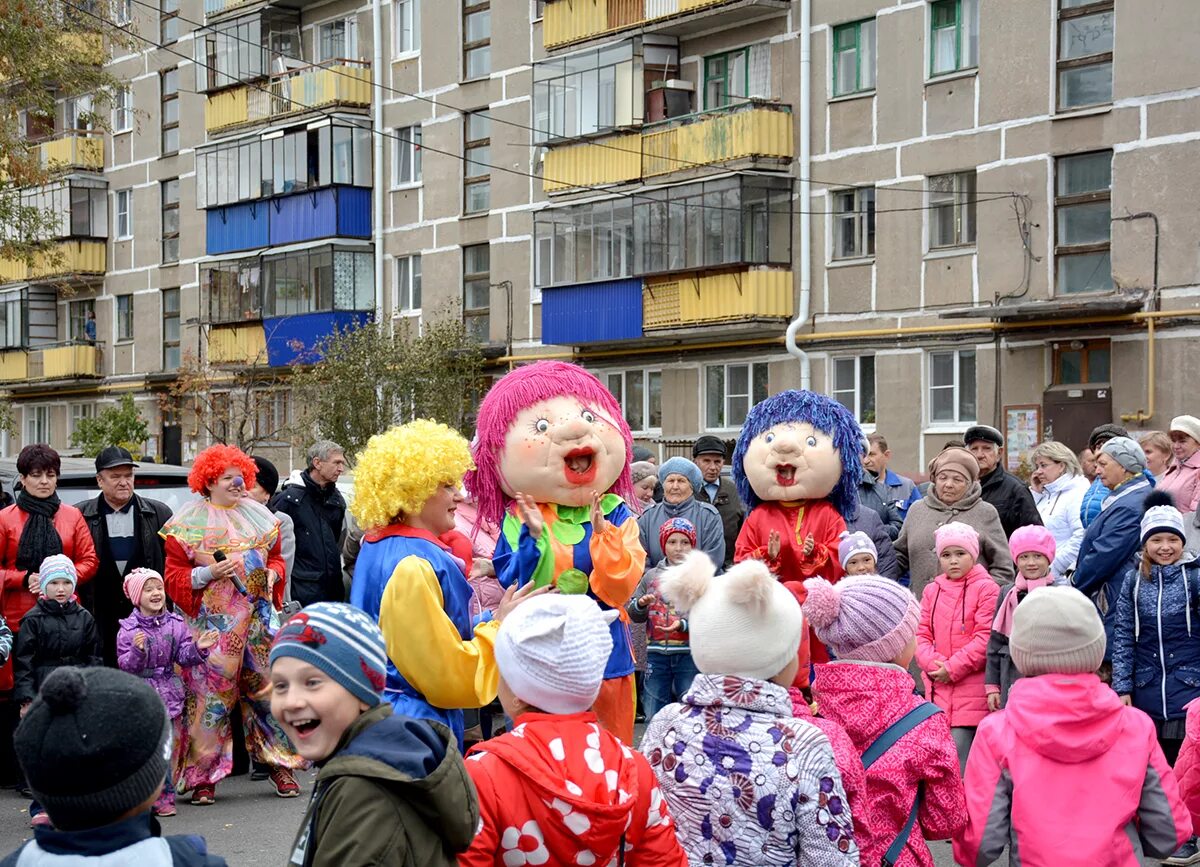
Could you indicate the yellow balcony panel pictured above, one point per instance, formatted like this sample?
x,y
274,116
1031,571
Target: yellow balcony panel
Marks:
x,y
682,301
226,109
72,258
615,160
14,365
237,344
728,134
87,47
64,362
72,151
569,22
335,83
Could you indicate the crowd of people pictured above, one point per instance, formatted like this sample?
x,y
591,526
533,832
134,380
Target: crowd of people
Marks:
x,y
835,663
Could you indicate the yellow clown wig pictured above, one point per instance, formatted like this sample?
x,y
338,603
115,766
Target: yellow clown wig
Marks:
x,y
401,468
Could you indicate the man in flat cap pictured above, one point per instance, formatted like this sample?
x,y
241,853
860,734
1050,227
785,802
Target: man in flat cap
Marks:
x,y
709,454
1003,490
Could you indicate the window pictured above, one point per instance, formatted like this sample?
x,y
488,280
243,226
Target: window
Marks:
x,y
639,392
952,210
583,243
13,306
477,178
79,412
170,220
1085,52
170,331
408,25
477,39
123,213
78,114
408,284
337,40
37,424
854,57
122,12
853,386
122,112
726,78
318,280
952,387
170,110
124,317
79,314
477,291
233,290
1080,362
168,20
539,9
854,223
953,36
242,49
1083,223
406,160
273,414
730,391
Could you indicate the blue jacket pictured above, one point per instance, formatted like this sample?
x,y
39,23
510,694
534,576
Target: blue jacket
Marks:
x,y
1156,654
904,492
1109,550
134,841
1093,501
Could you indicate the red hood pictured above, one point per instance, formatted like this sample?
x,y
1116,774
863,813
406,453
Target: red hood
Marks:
x,y
864,698
1068,718
584,780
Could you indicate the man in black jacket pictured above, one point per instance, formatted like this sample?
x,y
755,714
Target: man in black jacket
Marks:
x,y
1003,490
318,511
710,454
124,528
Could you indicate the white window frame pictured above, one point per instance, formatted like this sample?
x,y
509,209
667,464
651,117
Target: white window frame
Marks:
x,y
956,388
861,216
78,412
856,395
122,12
961,199
351,38
37,424
408,140
723,423
647,405
405,276
74,108
122,112
123,218
406,15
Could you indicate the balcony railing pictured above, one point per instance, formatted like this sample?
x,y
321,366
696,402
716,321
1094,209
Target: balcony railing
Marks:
x,y
239,344
332,83
68,360
71,259
567,22
704,299
14,365
746,131
75,149
220,7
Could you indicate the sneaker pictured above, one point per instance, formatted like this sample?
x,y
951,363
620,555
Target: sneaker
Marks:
x,y
202,796
285,784
165,805
41,820
1188,853
259,772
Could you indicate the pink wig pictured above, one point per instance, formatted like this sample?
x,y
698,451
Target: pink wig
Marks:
x,y
514,392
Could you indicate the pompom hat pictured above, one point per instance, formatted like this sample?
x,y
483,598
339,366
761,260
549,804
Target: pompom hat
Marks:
x,y
864,617
1033,539
676,525
1161,516
957,535
341,641
852,544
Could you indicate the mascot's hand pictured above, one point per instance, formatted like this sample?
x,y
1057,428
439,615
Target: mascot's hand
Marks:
x,y
599,522
809,544
774,545
531,515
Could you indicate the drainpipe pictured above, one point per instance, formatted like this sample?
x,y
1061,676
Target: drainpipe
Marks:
x,y
378,186
802,313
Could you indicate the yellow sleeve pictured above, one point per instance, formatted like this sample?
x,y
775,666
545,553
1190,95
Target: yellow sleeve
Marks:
x,y
618,562
425,646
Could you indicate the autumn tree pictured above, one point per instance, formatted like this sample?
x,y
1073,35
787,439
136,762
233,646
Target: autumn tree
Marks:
x,y
120,425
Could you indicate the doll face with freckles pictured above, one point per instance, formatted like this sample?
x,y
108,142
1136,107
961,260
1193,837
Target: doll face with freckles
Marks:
x,y
560,451
792,461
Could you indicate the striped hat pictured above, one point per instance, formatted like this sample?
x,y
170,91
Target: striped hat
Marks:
x,y
676,525
865,617
342,641
57,567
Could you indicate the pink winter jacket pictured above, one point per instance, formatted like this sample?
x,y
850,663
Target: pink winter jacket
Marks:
x,y
1066,770
1182,482
864,699
1187,766
956,623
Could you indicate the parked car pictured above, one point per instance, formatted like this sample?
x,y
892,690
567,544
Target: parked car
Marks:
x,y
166,483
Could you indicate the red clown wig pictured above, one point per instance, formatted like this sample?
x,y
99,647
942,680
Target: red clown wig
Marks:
x,y
211,463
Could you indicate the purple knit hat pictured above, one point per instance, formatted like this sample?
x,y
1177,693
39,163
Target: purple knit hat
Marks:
x,y
864,617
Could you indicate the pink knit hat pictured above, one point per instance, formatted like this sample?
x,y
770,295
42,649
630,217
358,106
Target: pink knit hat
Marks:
x,y
136,580
1032,539
864,617
957,534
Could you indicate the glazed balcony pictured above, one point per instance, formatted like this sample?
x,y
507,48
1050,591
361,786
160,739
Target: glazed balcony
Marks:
x,y
333,84
570,22
72,259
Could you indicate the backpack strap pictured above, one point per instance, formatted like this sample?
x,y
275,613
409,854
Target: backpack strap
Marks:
x,y
894,851
897,730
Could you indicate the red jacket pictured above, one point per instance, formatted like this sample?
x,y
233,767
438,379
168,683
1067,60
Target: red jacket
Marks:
x,y
561,790
179,577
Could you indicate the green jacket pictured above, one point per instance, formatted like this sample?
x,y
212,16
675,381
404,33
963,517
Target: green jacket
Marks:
x,y
395,793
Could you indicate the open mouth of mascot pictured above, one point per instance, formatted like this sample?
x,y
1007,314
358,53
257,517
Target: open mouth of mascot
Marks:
x,y
785,475
579,466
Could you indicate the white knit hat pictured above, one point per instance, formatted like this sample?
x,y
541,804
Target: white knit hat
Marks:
x,y
552,651
1186,424
744,623
1056,630
1162,519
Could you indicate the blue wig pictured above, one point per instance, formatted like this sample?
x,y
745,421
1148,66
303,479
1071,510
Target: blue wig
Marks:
x,y
826,415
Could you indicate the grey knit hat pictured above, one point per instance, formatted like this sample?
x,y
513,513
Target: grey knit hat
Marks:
x,y
1056,630
1127,453
683,467
642,470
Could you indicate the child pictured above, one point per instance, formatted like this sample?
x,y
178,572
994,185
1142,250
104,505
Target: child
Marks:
x,y
870,624
95,748
857,553
1065,774
150,643
747,782
391,789
669,667
559,789
957,610
1033,550
1187,772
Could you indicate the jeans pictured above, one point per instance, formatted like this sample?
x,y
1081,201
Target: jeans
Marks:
x,y
668,677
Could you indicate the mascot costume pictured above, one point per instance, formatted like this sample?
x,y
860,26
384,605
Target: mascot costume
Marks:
x,y
552,452
797,466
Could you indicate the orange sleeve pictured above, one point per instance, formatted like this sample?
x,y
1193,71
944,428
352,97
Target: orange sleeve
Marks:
x,y
618,562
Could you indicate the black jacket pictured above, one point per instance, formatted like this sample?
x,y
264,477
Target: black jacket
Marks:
x,y
53,634
732,513
1011,498
319,514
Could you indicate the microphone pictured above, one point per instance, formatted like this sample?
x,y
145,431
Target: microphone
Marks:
x,y
220,557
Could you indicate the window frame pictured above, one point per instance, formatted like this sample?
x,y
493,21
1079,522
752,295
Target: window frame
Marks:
x,y
168,20
122,12
835,54
122,110
721,422
1088,347
1065,251
410,9
955,387
78,412
408,140
864,224
168,314
407,271
484,179
860,407
169,239
349,39
1065,14
961,40
127,195
123,318
473,315
77,310
962,201
726,57
35,413
469,8
168,98
621,393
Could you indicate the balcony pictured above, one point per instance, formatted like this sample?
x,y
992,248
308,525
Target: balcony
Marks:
x,y
14,365
72,259
748,131
297,339
237,344
731,298
214,8
335,83
569,22
309,216
68,360
72,150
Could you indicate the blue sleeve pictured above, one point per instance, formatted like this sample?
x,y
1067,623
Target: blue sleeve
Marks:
x,y
1122,651
516,567
1108,553
914,494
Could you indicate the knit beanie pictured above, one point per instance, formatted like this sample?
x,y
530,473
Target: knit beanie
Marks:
x,y
676,525
1127,453
639,470
858,542
1161,516
744,623
957,534
1056,630
342,641
864,617
94,744
959,460
57,567
685,468
268,476
1032,539
135,581
552,652
1105,432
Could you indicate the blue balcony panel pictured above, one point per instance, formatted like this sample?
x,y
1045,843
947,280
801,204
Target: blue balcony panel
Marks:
x,y
326,213
237,227
297,339
592,312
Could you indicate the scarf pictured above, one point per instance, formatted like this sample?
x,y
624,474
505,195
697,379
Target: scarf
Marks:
x,y
1004,613
39,539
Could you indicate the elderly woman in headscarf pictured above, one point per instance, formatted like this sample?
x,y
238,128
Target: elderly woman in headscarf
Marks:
x,y
680,480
